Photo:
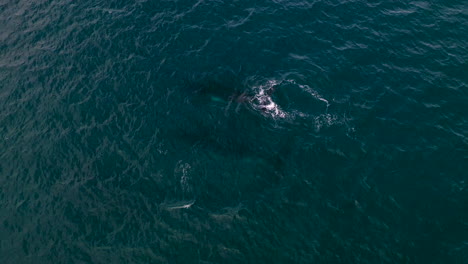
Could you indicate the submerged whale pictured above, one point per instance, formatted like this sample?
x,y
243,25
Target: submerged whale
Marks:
x,y
234,96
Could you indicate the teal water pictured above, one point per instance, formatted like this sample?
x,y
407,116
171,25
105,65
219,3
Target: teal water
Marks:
x,y
233,131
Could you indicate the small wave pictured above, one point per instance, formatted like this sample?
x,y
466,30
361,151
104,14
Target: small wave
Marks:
x,y
178,205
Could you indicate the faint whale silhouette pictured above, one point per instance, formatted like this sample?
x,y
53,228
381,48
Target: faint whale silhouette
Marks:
x,y
233,94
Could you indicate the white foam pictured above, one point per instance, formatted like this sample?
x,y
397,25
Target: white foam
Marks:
x,y
264,103
182,169
311,91
262,100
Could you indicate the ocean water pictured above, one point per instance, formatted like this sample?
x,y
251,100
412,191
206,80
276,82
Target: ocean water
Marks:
x,y
283,131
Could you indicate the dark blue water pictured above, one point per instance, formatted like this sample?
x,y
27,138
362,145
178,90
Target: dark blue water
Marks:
x,y
233,131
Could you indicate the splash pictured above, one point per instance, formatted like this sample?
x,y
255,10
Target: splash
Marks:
x,y
263,102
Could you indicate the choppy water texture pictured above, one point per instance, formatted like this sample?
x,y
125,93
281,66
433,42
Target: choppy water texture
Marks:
x,y
233,131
